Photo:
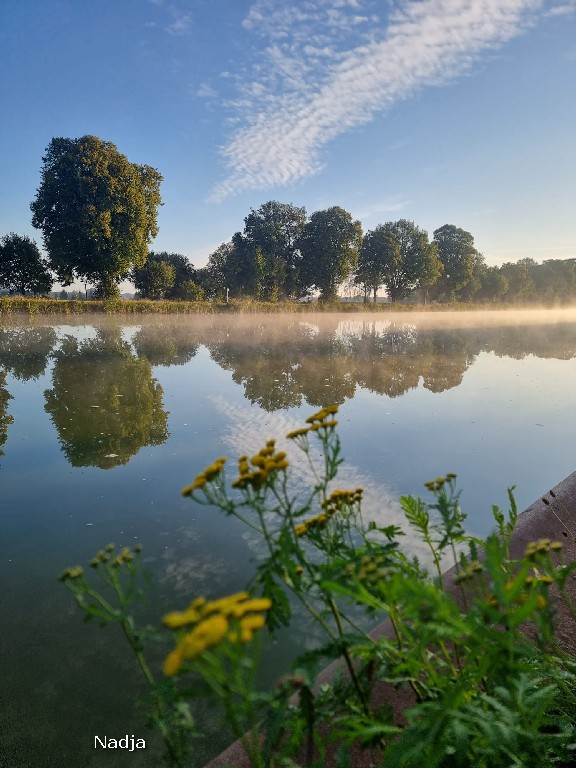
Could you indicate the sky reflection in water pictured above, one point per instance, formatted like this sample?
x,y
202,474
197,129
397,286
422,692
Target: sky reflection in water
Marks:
x,y
102,423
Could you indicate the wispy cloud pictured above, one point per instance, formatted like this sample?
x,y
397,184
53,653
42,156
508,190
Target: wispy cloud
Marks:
x,y
328,66
180,20
563,9
390,205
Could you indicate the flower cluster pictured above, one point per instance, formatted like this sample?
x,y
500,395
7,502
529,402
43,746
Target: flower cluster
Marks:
x,y
265,462
126,555
541,547
71,573
467,573
370,569
205,476
336,502
235,618
320,420
439,482
339,500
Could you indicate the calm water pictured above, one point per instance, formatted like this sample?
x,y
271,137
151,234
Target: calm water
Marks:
x,y
102,423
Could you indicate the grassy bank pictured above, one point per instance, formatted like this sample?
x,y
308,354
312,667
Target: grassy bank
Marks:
x,y
10,305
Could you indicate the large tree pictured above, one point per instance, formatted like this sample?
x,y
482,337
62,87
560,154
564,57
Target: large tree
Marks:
x,y
461,261
97,211
272,233
22,268
329,246
399,255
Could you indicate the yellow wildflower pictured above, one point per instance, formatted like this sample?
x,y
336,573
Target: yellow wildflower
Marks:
x,y
206,635
178,619
71,573
298,433
224,603
172,663
255,604
256,621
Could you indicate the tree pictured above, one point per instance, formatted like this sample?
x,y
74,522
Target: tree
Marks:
x,y
165,276
399,255
243,268
329,246
273,231
555,280
521,286
22,269
494,286
154,279
97,211
458,255
213,277
370,272
184,273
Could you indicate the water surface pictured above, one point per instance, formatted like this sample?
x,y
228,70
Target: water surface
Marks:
x,y
103,421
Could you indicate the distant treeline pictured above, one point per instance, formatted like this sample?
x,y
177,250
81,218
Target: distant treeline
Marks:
x,y
282,254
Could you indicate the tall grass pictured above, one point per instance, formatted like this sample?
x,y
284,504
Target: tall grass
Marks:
x,y
10,305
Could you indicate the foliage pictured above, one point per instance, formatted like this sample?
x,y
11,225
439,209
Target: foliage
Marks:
x,y
329,245
184,274
104,414
398,255
458,255
97,211
272,232
213,277
490,687
22,269
5,418
154,279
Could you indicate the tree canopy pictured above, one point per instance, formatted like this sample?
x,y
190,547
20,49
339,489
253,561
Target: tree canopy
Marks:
x,y
461,263
398,255
329,245
22,268
97,211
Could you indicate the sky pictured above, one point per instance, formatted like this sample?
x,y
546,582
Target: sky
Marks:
x,y
439,111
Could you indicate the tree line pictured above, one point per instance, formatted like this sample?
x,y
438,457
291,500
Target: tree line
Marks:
x,y
282,254
97,212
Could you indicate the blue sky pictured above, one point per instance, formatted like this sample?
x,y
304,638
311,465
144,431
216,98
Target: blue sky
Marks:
x,y
440,111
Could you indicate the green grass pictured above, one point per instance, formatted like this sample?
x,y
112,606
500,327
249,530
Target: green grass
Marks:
x,y
10,305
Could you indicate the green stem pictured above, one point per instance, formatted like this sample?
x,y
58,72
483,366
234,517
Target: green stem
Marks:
x,y
347,659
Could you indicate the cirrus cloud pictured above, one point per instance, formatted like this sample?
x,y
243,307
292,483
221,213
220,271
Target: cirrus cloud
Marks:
x,y
329,66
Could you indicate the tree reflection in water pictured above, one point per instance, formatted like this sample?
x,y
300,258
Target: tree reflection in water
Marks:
x,y
104,401
5,418
24,352
280,365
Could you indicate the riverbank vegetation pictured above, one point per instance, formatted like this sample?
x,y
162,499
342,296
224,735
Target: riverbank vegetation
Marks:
x,y
488,684
30,305
98,214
